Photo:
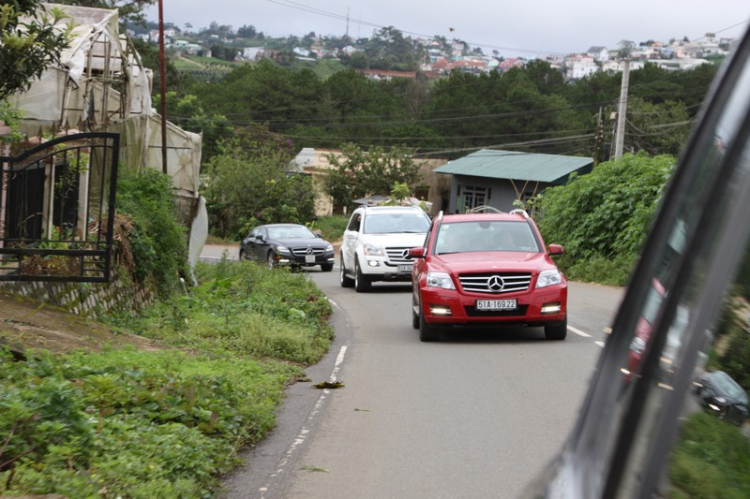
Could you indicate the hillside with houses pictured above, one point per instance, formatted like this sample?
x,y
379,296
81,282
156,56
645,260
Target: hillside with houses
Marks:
x,y
388,53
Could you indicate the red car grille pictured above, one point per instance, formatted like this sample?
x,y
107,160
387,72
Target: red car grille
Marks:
x,y
495,283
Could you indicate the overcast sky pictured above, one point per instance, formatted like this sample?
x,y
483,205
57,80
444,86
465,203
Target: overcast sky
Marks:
x,y
513,27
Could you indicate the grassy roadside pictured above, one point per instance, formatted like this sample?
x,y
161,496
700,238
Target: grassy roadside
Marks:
x,y
162,422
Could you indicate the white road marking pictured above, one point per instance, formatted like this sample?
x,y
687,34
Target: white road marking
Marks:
x,y
600,343
579,332
304,431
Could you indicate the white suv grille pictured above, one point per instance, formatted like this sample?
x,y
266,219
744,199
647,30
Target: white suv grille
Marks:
x,y
398,255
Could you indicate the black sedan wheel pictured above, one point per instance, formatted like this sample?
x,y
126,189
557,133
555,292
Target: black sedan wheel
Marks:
x,y
271,260
326,267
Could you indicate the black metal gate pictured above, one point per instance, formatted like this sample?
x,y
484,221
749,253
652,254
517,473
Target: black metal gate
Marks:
x,y
57,209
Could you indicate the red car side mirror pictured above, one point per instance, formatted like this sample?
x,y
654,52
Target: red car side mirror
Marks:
x,y
416,252
555,249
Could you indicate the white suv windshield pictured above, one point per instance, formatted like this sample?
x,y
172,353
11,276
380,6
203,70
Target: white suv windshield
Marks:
x,y
396,223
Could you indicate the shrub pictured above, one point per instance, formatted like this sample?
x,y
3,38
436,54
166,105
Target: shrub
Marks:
x,y
710,460
157,240
605,215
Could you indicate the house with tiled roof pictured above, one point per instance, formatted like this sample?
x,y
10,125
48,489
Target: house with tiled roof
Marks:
x,y
511,62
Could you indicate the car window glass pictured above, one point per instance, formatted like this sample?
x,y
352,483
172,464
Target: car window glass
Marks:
x,y
628,421
354,222
396,223
694,342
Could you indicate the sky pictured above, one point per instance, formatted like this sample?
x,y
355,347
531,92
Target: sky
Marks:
x,y
512,27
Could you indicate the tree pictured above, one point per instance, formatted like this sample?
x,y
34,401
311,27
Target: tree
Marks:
x,y
247,184
265,92
190,115
657,128
29,43
358,173
247,31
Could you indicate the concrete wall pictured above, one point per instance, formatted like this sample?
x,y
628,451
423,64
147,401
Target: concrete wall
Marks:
x,y
89,299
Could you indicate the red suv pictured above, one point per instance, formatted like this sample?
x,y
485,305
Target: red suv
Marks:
x,y
487,269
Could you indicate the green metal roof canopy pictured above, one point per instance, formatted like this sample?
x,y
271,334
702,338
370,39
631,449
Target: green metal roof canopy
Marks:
x,y
490,163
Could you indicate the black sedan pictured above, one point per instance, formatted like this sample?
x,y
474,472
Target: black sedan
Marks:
x,y
720,394
287,244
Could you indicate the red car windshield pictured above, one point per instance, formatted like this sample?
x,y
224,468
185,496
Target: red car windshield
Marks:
x,y
497,235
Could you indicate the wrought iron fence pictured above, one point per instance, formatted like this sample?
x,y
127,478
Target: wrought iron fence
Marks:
x,y
57,209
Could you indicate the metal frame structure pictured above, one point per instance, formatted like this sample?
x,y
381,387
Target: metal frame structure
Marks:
x,y
57,209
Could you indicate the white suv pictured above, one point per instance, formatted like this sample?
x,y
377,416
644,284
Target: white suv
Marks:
x,y
376,244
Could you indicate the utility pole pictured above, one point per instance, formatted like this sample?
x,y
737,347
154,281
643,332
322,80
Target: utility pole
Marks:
x,y
599,138
347,22
163,73
622,111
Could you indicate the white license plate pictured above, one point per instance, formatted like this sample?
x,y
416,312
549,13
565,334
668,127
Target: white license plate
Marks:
x,y
496,304
404,268
309,258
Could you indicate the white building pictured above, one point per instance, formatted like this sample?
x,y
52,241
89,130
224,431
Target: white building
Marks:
x,y
581,67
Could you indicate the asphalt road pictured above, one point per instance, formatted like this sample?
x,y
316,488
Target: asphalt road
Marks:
x,y
477,414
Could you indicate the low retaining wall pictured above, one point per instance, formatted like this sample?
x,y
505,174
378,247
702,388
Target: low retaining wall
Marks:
x,y
85,299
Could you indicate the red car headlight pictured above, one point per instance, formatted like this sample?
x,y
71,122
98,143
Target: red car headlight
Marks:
x,y
439,280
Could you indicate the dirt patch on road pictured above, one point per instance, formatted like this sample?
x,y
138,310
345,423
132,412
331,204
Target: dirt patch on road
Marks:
x,y
26,324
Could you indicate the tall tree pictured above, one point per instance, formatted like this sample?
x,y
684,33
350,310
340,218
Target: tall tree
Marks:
x,y
29,43
249,184
376,171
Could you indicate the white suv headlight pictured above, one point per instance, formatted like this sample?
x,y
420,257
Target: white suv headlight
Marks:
x,y
548,278
440,280
373,250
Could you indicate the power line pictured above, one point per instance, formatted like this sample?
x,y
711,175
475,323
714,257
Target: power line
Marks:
x,y
561,140
315,10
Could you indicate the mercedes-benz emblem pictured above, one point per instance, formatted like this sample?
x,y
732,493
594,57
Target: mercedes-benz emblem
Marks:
x,y
309,251
496,283
405,253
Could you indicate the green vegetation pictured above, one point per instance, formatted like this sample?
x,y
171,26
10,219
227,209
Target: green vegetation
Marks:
x,y
531,108
332,228
710,460
245,309
28,47
358,173
154,247
246,185
163,423
322,68
602,218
